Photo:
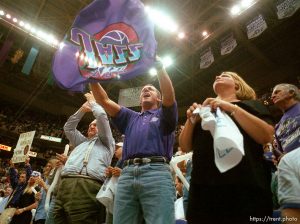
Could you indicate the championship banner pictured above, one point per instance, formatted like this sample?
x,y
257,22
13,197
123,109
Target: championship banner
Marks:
x,y
256,27
4,51
228,43
287,8
130,97
206,58
23,147
109,40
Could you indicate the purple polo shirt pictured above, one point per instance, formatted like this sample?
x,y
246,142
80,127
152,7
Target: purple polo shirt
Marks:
x,y
148,133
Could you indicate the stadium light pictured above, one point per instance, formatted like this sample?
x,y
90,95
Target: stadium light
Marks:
x,y
242,6
181,35
153,72
246,3
161,19
167,61
41,34
28,28
235,10
33,30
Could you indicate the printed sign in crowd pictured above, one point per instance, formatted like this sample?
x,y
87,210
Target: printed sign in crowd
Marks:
x,y
23,147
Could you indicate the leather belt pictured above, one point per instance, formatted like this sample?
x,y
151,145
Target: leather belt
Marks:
x,y
82,176
146,160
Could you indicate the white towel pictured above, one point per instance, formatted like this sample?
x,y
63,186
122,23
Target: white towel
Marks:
x,y
228,140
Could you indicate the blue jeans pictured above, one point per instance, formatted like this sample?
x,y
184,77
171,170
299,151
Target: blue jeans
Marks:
x,y
145,192
189,168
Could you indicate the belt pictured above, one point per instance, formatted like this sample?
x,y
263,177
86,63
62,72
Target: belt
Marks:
x,y
82,176
141,161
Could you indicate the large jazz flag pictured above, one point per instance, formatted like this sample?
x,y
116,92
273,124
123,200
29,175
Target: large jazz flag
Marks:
x,y
109,40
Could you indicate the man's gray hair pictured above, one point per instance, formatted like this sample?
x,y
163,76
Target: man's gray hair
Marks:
x,y
292,89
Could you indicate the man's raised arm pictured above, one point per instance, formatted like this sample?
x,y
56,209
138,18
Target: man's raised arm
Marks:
x,y
166,86
101,97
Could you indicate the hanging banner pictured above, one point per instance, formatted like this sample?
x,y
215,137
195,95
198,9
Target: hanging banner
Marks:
x,y
228,44
23,147
256,27
130,97
206,58
109,40
5,50
287,8
30,60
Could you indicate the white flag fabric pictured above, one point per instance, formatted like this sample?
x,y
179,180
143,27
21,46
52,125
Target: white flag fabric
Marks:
x,y
256,27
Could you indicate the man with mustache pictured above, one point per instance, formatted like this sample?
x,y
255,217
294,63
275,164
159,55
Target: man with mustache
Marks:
x,y
287,132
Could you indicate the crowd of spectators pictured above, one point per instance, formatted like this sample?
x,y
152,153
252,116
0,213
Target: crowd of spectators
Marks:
x,y
4,177
43,124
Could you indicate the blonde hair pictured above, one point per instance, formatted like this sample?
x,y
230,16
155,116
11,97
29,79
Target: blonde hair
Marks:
x,y
244,91
29,187
52,162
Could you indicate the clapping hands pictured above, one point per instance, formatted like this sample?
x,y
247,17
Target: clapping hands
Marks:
x,y
113,171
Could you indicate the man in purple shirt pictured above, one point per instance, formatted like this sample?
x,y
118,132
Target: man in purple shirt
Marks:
x,y
287,132
145,188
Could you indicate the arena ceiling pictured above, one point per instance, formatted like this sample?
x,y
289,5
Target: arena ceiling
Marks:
x,y
270,58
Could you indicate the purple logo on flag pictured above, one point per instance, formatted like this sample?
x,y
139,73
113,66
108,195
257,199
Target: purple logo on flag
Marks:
x,y
109,40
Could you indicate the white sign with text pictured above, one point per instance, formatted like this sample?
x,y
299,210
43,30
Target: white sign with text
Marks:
x,y
23,147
